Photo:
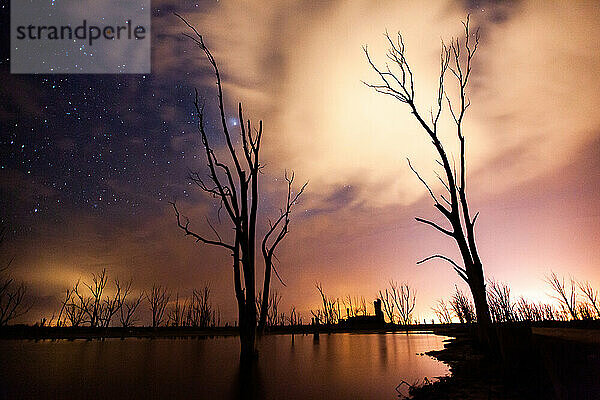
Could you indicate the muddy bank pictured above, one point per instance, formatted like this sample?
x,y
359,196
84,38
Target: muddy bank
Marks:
x,y
529,366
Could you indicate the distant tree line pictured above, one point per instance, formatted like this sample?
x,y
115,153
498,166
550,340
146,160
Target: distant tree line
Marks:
x,y
577,301
102,302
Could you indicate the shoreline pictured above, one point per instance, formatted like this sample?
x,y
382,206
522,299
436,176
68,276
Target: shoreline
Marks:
x,y
548,363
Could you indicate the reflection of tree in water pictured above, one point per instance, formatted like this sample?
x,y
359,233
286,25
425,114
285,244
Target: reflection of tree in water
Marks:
x,y
249,383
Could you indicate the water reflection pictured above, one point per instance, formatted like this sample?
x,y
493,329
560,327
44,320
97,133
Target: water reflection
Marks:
x,y
337,366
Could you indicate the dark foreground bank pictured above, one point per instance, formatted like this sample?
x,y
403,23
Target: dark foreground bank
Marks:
x,y
534,363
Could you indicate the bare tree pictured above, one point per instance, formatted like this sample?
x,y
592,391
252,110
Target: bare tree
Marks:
x,y
405,300
277,231
158,298
128,305
71,311
272,311
176,317
354,306
234,184
200,311
567,298
458,59
389,306
501,307
294,318
462,307
591,294
12,296
442,311
12,293
330,312
92,306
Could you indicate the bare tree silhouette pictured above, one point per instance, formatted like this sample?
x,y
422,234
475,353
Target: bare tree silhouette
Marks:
x,y
128,306
71,312
158,298
330,313
389,306
273,316
12,296
176,316
269,244
591,294
456,58
567,298
405,299
442,311
92,306
462,307
12,293
235,185
501,307
200,312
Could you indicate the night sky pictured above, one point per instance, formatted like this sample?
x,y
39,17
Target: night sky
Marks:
x,y
90,162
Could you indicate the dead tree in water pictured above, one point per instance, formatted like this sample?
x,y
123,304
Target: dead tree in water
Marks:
x,y
269,244
200,311
12,293
389,306
234,183
456,58
128,306
12,296
273,317
330,312
405,300
158,298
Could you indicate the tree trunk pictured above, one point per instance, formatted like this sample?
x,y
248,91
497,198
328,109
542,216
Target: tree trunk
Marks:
x,y
248,352
484,321
264,308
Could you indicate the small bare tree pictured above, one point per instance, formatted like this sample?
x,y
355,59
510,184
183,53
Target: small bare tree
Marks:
x,y
389,305
591,294
71,312
453,205
330,312
567,298
405,300
501,307
12,293
200,311
128,305
12,296
272,311
442,311
462,307
294,317
92,306
158,298
176,316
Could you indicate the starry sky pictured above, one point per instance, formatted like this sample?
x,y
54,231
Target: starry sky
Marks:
x,y
90,162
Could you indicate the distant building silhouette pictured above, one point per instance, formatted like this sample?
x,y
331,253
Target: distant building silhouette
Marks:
x,y
366,321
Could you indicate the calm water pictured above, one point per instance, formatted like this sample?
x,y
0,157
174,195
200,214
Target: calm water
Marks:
x,y
338,366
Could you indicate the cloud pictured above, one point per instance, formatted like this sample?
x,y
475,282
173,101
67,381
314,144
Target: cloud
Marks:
x,y
300,68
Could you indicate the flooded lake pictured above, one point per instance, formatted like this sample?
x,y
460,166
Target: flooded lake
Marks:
x,y
337,366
